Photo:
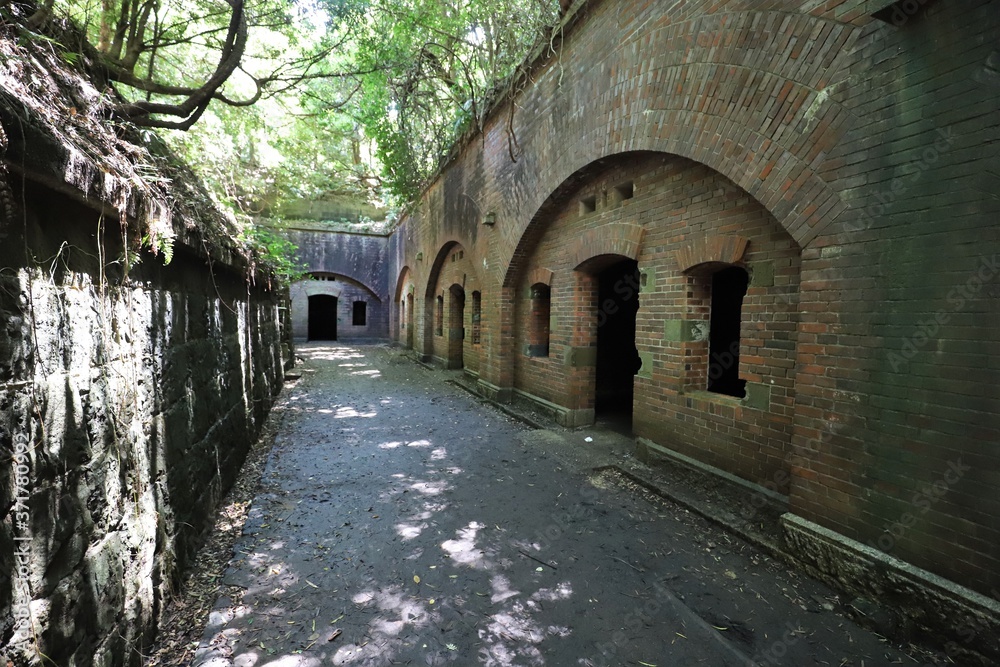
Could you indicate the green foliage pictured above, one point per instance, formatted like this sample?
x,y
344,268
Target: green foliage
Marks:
x,y
159,244
275,251
361,98
430,70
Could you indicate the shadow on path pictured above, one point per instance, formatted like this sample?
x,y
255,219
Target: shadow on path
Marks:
x,y
401,522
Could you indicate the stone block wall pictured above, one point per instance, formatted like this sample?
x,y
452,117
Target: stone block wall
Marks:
x,y
347,292
350,266
128,401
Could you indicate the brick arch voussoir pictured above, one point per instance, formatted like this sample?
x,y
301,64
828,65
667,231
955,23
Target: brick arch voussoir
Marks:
x,y
345,276
405,275
540,276
779,179
615,238
719,249
439,260
436,266
770,143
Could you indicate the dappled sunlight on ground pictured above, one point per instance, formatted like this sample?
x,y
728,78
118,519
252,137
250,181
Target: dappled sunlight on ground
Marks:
x,y
319,351
420,529
346,412
446,561
463,550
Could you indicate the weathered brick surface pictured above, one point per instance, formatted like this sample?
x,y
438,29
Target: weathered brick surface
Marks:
x,y
858,160
457,280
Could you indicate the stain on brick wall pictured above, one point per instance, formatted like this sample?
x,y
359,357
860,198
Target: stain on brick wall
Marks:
x,y
856,157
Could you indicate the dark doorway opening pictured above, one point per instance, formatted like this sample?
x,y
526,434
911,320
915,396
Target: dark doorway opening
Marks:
x,y
410,321
729,286
456,328
617,357
322,317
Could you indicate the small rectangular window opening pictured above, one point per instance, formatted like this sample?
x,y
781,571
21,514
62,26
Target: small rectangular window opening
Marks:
x,y
360,318
588,204
538,329
729,286
624,191
477,316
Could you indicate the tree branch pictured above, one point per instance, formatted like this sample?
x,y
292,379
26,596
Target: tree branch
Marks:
x,y
191,109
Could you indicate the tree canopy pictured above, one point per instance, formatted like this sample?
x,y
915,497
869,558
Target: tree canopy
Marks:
x,y
273,100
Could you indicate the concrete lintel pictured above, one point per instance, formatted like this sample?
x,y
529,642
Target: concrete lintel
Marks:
x,y
758,396
578,417
681,330
560,414
647,279
762,273
646,370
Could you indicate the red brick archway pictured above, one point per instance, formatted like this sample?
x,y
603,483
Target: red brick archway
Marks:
x,y
403,318
453,277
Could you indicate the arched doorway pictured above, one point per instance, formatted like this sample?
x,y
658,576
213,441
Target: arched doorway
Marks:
x,y
617,359
456,326
406,320
322,317
409,319
446,335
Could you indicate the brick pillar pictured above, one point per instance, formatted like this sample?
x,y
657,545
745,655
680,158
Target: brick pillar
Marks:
x,y
496,378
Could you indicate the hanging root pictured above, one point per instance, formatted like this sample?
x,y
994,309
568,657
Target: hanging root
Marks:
x,y
8,208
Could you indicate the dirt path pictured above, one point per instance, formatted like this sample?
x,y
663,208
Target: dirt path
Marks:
x,y
401,522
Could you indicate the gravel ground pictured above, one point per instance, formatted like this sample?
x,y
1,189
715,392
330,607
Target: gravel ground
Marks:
x,y
401,521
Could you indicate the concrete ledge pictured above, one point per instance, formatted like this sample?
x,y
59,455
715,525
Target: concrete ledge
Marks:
x,y
560,414
493,392
514,414
964,622
644,446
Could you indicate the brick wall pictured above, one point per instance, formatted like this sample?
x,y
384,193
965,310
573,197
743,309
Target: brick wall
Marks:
x,y
680,204
852,160
452,292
